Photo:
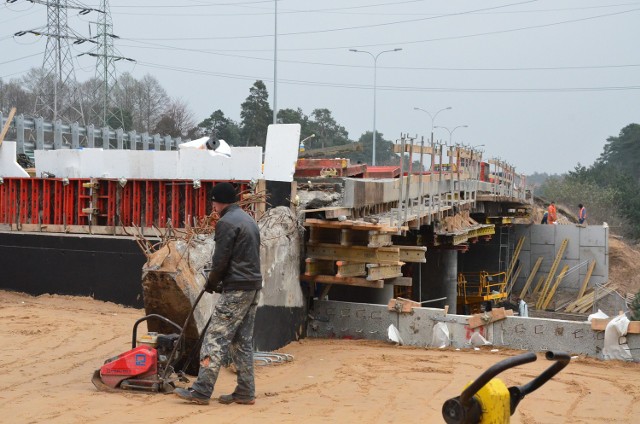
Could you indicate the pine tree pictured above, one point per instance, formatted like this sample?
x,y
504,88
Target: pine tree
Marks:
x,y
635,308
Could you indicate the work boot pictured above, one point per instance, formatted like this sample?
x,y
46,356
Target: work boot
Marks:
x,y
227,399
192,396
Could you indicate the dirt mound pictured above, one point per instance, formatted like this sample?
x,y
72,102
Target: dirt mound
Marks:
x,y
624,267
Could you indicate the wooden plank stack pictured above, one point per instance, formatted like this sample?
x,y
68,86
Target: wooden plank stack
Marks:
x,y
585,303
355,253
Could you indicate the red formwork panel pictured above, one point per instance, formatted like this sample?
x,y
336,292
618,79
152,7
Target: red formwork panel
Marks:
x,y
55,201
162,204
13,200
58,201
69,214
24,201
125,211
83,201
201,202
35,200
188,205
3,209
112,189
175,204
46,202
136,203
148,204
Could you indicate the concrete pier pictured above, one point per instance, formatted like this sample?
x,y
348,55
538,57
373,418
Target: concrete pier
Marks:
x,y
439,278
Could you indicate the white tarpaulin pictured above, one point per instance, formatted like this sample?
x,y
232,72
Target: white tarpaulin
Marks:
x,y
440,336
615,342
394,335
201,143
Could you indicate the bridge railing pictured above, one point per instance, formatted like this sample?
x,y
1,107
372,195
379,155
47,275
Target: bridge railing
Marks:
x,y
37,134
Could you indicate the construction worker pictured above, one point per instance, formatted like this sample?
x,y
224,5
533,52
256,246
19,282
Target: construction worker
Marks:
x,y
545,218
553,213
235,274
582,215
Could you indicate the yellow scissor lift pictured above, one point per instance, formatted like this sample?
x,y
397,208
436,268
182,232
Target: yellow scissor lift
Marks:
x,y
476,288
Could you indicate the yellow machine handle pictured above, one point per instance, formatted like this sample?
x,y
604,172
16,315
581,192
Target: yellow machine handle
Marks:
x,y
486,400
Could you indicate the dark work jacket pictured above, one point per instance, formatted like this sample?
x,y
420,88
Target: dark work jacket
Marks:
x,y
236,257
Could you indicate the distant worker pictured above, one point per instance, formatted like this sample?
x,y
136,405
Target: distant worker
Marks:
x,y
553,214
545,217
235,274
582,215
523,308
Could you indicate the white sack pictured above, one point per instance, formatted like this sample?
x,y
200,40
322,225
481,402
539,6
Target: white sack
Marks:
x,y
440,336
598,315
394,335
477,340
615,342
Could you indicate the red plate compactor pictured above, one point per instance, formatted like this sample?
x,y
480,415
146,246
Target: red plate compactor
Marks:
x,y
148,366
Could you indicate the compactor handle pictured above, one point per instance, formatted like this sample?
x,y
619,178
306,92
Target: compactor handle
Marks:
x,y
465,409
492,371
134,336
518,393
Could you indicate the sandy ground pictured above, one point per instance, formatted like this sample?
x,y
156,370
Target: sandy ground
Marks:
x,y
52,344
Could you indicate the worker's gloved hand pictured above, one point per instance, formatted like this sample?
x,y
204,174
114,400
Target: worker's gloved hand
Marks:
x,y
211,287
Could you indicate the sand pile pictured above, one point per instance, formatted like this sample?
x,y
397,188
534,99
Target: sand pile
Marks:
x,y
52,345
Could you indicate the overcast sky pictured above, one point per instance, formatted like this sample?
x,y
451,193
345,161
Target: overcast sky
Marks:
x,y
541,84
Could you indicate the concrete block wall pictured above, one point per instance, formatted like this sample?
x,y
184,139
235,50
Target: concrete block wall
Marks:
x,y
333,319
585,244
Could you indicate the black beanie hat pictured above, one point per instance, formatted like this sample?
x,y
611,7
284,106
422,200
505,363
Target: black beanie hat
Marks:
x,y
224,193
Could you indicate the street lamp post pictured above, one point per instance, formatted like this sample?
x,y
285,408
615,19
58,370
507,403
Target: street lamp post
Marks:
x,y
375,70
452,131
450,151
275,63
433,118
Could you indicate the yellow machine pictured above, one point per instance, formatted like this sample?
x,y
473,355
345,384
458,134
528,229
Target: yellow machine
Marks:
x,y
476,288
487,400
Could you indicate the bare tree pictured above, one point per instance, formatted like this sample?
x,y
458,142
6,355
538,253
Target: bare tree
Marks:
x,y
182,116
13,95
152,102
124,94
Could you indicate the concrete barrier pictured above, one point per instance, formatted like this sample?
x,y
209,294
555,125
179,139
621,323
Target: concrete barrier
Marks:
x,y
333,319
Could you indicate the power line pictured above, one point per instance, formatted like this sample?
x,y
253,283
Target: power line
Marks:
x,y
21,58
453,37
393,88
181,6
157,46
289,11
342,28
342,11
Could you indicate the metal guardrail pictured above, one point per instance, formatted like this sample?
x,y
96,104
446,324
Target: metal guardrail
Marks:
x,y
37,134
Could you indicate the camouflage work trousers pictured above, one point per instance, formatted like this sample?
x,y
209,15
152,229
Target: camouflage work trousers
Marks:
x,y
230,333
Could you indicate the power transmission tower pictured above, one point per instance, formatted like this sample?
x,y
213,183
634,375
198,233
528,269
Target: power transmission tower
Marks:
x,y
106,56
57,94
